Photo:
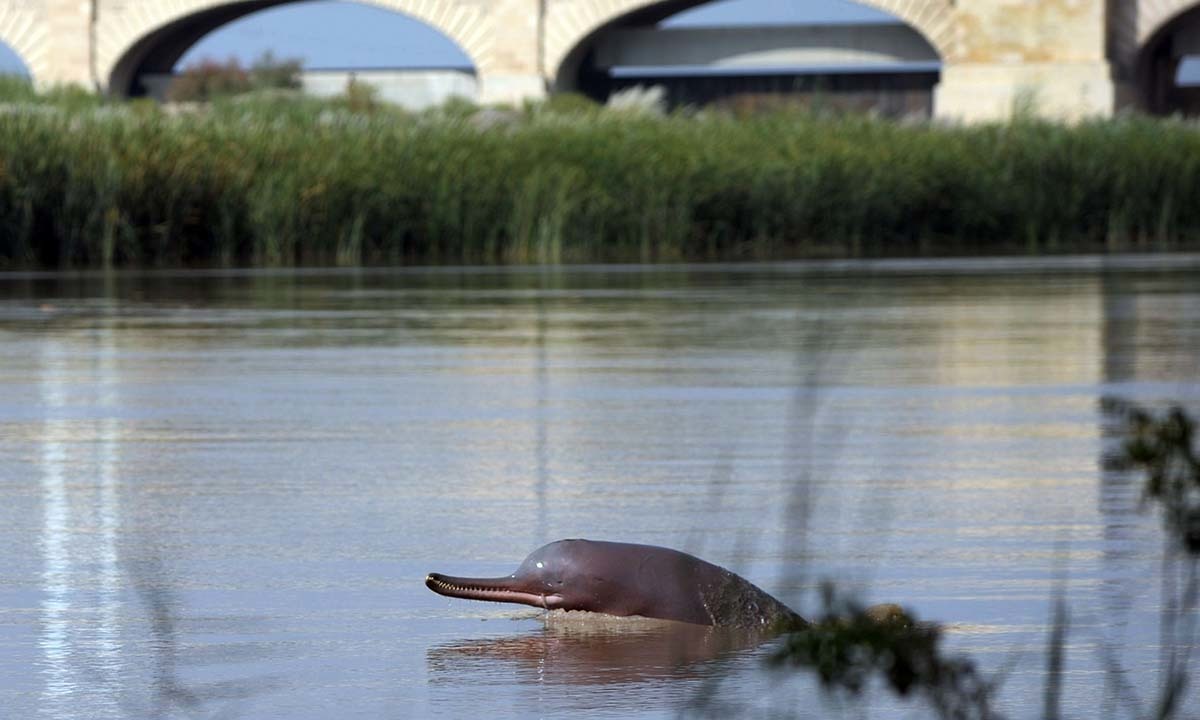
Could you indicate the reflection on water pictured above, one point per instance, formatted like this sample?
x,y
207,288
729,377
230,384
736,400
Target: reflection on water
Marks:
x,y
81,606
228,486
595,666
595,651
541,368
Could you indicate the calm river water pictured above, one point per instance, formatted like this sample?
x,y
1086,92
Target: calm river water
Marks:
x,y
220,492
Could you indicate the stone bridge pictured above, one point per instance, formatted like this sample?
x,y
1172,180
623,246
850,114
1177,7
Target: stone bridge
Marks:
x,y
1062,58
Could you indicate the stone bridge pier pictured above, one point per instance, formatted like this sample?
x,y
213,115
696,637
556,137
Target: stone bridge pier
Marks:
x,y
1044,56
1066,59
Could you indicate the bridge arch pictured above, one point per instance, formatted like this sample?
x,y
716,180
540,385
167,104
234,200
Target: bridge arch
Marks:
x,y
1167,31
572,25
1154,15
23,31
152,37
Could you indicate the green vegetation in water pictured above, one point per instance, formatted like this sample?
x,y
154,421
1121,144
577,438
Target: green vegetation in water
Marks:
x,y
1163,447
847,647
271,179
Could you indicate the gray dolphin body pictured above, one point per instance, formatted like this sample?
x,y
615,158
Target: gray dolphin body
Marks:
x,y
627,579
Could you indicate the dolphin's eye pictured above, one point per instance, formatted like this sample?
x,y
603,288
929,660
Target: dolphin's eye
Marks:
x,y
540,566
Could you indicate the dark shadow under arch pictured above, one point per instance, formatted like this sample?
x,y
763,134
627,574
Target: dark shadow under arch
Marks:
x,y
1158,64
158,51
567,78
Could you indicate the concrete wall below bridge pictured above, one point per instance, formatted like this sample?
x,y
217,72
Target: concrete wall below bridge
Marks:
x,y
412,89
896,93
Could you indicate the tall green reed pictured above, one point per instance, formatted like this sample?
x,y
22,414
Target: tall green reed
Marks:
x,y
286,181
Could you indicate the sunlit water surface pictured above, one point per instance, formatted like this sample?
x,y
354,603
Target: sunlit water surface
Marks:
x,y
220,492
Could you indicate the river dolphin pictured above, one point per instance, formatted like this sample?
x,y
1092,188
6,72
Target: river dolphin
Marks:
x,y
626,579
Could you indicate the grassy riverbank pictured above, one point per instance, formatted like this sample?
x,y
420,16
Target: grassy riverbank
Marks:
x,y
290,181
